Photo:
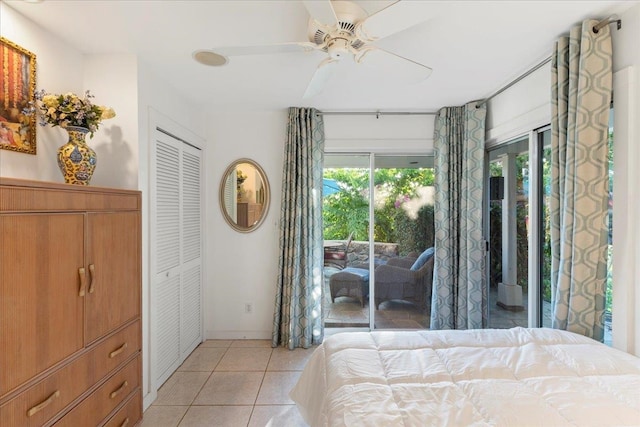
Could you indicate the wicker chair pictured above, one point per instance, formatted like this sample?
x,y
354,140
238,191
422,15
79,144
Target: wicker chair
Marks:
x,y
337,256
396,281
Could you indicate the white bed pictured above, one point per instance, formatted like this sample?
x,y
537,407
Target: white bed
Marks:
x,y
512,377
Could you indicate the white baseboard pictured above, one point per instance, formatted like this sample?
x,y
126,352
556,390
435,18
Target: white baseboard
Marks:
x,y
238,335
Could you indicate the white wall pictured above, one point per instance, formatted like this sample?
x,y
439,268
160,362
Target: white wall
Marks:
x,y
58,69
113,80
242,267
121,143
159,104
406,134
260,136
526,106
521,108
626,66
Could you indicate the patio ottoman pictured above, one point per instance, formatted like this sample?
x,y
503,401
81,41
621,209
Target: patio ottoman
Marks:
x,y
350,282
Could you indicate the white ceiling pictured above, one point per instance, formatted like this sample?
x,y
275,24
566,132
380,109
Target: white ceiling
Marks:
x,y
474,47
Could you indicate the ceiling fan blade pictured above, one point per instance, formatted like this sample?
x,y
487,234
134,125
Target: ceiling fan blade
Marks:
x,y
265,49
321,77
392,19
322,11
394,65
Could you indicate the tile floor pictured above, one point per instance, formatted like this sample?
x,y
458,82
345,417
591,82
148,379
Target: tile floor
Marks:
x,y
231,383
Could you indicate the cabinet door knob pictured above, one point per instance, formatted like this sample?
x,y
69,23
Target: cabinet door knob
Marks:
x,y
40,406
83,281
117,351
92,273
118,390
125,423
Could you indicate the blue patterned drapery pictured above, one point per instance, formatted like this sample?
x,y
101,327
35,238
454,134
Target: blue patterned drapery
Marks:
x,y
581,85
459,299
298,312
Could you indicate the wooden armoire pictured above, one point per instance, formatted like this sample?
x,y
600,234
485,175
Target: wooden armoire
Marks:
x,y
248,213
70,302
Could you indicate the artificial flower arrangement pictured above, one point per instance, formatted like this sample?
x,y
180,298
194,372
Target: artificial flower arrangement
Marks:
x,y
240,177
69,109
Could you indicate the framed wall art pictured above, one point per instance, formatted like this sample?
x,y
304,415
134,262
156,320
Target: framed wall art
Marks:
x,y
17,88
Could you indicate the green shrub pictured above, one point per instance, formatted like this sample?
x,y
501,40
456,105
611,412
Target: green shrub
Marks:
x,y
347,210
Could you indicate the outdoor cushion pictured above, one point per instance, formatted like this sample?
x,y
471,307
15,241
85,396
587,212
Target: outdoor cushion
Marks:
x,y
422,259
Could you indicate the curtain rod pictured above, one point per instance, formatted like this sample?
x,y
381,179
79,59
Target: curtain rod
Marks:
x,y
376,113
516,80
611,20
596,28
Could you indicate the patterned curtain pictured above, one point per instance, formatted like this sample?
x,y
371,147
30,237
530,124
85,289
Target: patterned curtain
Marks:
x,y
580,99
298,312
459,298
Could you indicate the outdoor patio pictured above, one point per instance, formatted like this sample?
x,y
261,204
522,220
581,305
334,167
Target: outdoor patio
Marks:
x,y
347,312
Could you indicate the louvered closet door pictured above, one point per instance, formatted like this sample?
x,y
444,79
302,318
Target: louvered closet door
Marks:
x,y
191,326
178,265
230,195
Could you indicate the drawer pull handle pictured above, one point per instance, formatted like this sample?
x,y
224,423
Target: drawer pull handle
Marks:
x,y
92,273
117,351
116,392
40,406
83,281
125,423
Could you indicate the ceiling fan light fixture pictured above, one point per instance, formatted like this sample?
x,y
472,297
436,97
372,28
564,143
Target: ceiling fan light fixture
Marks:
x,y
333,28
338,47
209,58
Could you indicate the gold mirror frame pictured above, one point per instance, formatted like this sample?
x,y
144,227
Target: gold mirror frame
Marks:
x,y
250,206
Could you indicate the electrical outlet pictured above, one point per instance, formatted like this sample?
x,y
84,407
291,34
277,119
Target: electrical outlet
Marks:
x,y
248,307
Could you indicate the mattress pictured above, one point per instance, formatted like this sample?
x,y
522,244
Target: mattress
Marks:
x,y
507,377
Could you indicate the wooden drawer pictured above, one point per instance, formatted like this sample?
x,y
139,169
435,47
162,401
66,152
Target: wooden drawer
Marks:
x,y
115,350
129,414
41,402
92,410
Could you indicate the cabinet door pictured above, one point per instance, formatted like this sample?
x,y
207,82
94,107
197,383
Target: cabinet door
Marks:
x,y
41,307
243,214
113,263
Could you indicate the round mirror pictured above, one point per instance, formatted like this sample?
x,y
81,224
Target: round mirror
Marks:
x,y
244,195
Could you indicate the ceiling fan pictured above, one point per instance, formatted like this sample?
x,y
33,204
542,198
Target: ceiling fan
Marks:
x,y
343,29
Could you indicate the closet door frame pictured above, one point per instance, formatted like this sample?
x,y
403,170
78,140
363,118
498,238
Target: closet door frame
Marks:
x,y
158,122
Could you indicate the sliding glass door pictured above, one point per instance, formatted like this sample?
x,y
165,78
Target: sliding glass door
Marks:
x,y
509,234
369,281
346,217
520,288
403,217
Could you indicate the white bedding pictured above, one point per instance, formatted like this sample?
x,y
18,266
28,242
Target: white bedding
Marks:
x,y
512,377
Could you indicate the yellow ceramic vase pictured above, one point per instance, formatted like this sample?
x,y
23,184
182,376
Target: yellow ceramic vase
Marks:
x,y
76,159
